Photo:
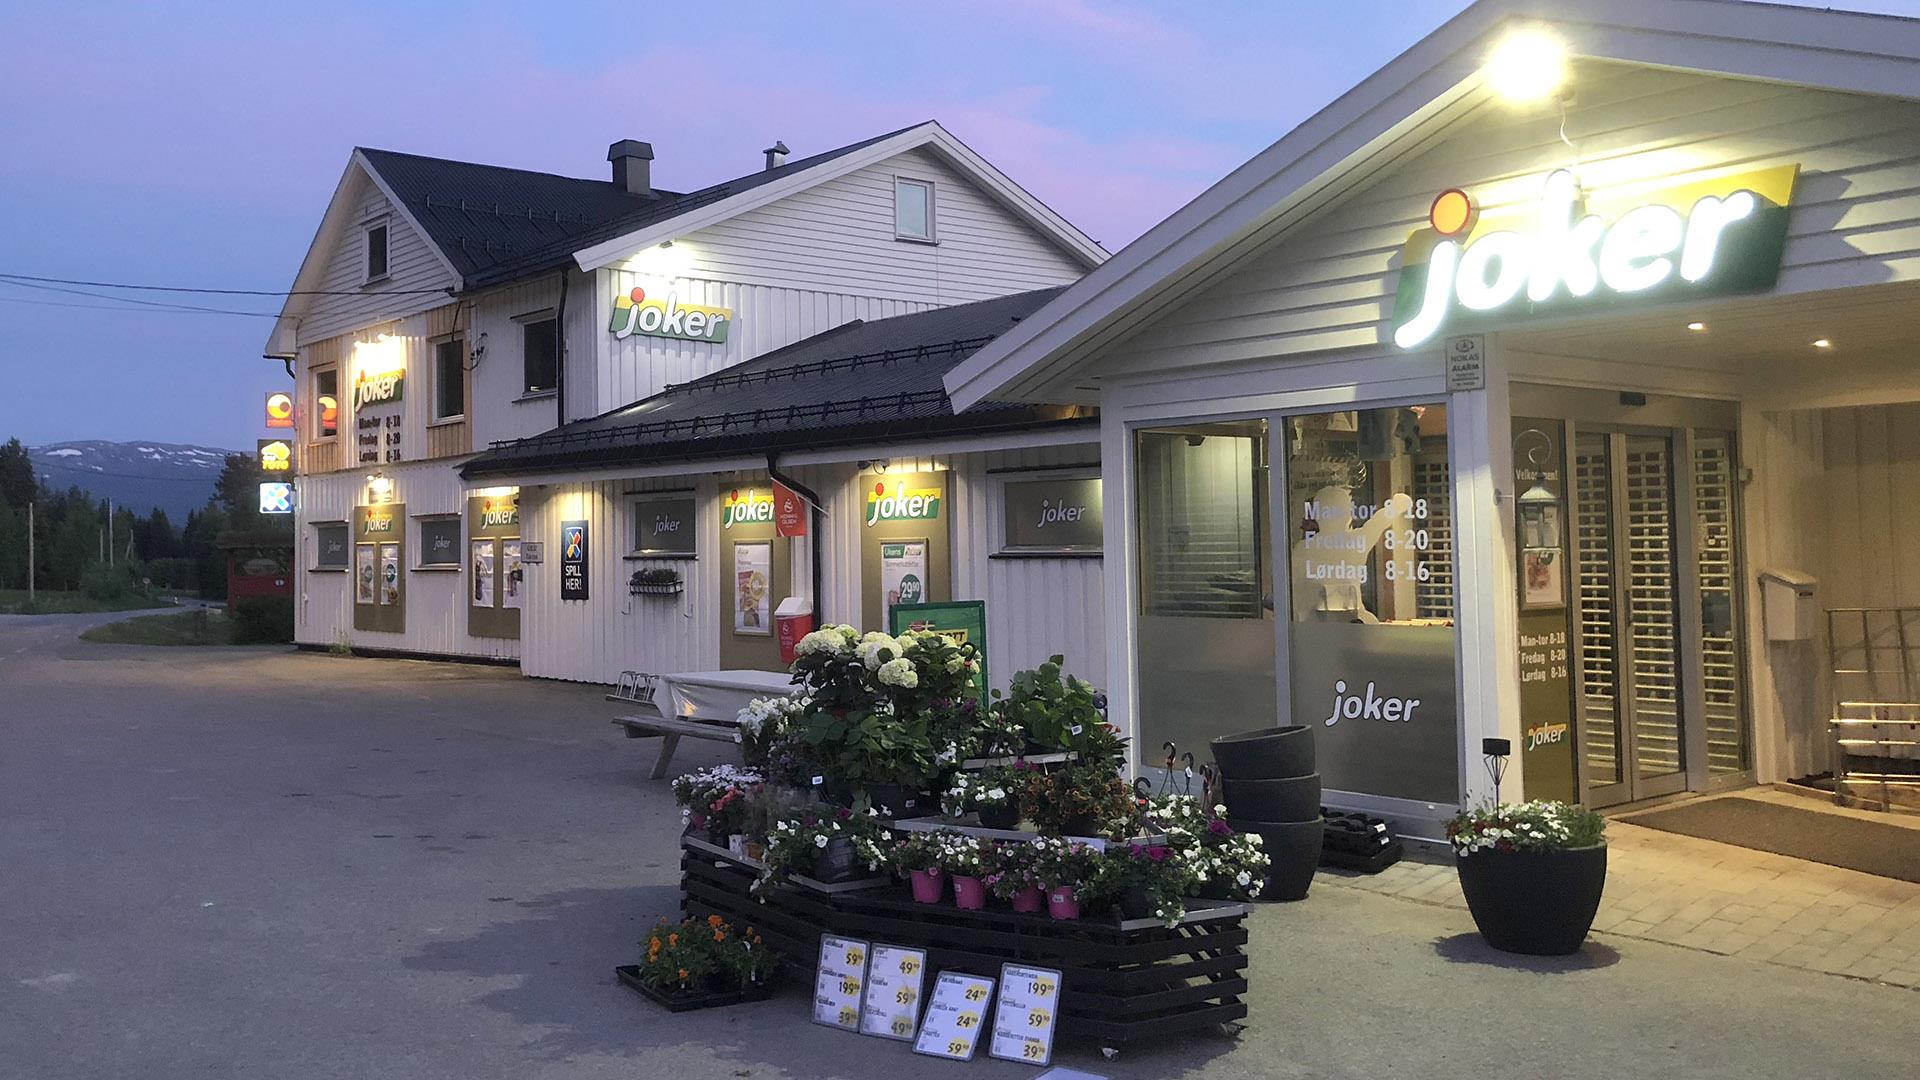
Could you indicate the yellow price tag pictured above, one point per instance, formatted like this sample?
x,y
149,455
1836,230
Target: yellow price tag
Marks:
x,y
1040,987
1038,1018
909,965
849,986
848,1016
854,956
1032,1050
902,1026
904,995
956,1047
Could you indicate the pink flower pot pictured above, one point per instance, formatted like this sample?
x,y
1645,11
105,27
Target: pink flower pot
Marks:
x,y
969,892
928,885
1029,901
1062,903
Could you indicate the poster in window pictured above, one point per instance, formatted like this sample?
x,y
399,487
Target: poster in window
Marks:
x,y
389,574
753,587
483,573
511,575
1543,579
363,575
903,572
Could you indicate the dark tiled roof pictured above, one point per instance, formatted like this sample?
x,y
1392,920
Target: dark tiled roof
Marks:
x,y
496,224
862,382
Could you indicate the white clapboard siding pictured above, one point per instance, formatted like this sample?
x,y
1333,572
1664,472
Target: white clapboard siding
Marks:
x,y
1035,607
764,318
436,600
1328,284
838,236
351,302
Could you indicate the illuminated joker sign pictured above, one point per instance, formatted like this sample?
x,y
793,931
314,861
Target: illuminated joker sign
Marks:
x,y
1558,255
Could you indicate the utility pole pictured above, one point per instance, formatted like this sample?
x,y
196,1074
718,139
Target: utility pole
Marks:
x,y
109,532
29,551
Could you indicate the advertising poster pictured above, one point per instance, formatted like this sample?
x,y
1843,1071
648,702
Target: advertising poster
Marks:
x,y
363,575
483,573
389,573
903,572
753,587
1543,579
512,576
573,560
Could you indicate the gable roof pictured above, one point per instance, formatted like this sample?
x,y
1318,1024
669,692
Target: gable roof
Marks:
x,y
489,224
1372,125
859,383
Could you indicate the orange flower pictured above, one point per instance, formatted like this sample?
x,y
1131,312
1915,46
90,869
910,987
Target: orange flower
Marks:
x,y
673,939
719,935
683,974
714,921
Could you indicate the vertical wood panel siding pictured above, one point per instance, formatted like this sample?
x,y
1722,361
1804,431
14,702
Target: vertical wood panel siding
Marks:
x,y
411,264
1329,284
436,599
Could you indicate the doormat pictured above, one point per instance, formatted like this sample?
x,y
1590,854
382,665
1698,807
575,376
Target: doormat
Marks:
x,y
1835,839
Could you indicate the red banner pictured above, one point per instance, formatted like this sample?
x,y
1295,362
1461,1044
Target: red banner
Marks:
x,y
789,511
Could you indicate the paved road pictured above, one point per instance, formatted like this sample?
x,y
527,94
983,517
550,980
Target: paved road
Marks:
x,y
246,863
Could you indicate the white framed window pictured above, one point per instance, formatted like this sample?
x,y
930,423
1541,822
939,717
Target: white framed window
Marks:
x,y
663,524
450,379
539,352
376,247
440,547
913,209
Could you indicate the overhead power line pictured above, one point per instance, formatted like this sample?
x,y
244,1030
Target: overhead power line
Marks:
x,y
223,292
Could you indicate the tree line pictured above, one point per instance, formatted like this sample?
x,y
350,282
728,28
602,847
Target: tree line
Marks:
x,y
71,534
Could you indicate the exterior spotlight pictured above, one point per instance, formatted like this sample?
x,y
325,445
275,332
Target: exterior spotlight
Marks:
x,y
1697,327
1527,66
1822,343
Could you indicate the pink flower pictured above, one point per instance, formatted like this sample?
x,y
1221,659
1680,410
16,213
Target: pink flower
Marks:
x,y
1219,827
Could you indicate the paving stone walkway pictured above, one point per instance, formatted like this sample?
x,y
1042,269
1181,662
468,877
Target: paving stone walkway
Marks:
x,y
1722,899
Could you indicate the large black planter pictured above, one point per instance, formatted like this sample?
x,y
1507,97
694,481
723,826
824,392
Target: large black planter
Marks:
x,y
899,801
1265,753
1293,848
1293,798
837,862
1540,903
999,816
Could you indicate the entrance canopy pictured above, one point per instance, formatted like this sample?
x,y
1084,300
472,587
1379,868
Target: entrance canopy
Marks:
x,y
1657,88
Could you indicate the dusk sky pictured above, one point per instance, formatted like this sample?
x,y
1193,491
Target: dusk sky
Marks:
x,y
197,145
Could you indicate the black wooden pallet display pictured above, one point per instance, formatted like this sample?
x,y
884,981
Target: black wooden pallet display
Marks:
x,y
1119,984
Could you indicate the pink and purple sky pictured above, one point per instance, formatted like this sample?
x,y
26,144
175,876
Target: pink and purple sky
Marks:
x,y
188,144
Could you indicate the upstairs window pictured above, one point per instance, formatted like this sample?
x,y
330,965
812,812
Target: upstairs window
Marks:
x,y
377,251
326,403
540,355
450,379
913,209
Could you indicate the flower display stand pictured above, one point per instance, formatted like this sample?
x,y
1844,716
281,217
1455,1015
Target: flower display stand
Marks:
x,y
1123,982
629,976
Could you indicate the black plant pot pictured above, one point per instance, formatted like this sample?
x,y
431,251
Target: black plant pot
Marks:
x,y
1294,850
1001,816
1136,902
1540,903
1265,753
1080,826
1215,889
836,863
898,800
1294,798
837,792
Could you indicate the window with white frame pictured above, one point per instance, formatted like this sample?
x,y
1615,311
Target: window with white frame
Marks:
x,y
450,378
540,354
376,251
912,209
326,403
440,542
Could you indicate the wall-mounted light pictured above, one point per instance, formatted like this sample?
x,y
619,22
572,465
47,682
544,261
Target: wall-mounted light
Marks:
x,y
1822,343
380,487
1697,327
1527,66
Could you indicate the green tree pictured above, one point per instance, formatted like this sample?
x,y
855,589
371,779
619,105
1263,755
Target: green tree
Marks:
x,y
196,543
18,486
13,547
238,493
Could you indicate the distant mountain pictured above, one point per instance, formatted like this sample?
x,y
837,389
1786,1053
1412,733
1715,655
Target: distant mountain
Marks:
x,y
137,475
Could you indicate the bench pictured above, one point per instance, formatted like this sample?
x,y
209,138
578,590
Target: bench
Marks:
x,y
670,730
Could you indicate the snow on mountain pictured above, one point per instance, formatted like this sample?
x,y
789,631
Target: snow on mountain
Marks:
x,y
137,475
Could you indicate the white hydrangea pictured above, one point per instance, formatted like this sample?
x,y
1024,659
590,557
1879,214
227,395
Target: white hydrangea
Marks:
x,y
899,672
876,649
829,640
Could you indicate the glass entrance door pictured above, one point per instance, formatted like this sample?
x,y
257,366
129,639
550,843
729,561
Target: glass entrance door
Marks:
x,y
1633,702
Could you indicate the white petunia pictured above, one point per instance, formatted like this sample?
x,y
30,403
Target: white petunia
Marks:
x,y
820,841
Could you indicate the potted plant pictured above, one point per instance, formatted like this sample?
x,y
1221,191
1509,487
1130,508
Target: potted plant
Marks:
x,y
654,581
993,794
1070,872
1079,800
860,722
966,861
829,846
921,858
1225,863
700,963
1012,873
1150,881
697,790
1047,706
1532,873
763,726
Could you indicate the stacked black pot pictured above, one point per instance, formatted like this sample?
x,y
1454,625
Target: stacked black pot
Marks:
x,y
1270,787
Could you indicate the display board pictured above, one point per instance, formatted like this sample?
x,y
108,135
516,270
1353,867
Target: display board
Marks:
x,y
896,981
747,640
379,584
493,560
1024,1018
1051,515
956,1014
573,560
905,552
1544,629
965,621
839,982
663,525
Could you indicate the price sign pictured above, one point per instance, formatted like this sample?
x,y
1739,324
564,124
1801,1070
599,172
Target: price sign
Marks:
x,y
955,1016
1023,1020
841,979
896,981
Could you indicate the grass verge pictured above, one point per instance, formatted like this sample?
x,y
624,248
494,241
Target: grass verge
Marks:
x,y
197,627
49,602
